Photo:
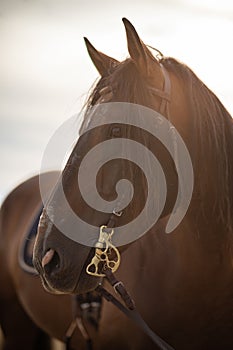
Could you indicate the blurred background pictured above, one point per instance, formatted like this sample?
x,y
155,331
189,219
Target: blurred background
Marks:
x,y
45,71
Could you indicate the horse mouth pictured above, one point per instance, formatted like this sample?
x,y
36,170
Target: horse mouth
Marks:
x,y
63,277
49,287
54,276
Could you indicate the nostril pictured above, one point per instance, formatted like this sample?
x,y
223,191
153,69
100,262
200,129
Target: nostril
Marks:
x,y
51,261
48,257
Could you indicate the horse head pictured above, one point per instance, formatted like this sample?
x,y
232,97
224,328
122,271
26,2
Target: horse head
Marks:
x,y
140,86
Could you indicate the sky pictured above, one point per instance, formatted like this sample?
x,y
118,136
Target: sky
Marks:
x,y
46,74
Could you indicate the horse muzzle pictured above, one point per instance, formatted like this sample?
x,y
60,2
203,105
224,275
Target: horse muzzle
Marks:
x,y
64,273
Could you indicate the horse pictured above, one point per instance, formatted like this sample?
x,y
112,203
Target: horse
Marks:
x,y
29,315
181,282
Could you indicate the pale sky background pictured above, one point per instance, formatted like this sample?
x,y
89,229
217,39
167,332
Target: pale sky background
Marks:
x,y
45,72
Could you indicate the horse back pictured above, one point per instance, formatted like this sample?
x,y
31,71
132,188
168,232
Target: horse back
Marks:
x,y
16,215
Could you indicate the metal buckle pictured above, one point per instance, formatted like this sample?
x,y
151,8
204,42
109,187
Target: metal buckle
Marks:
x,y
104,249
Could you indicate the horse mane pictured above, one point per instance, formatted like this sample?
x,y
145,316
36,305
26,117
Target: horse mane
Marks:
x,y
212,153
212,129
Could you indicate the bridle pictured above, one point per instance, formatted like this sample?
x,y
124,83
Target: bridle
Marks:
x,y
103,264
104,244
165,94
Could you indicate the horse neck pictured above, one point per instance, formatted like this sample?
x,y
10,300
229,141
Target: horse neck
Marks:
x,y
155,258
144,260
212,203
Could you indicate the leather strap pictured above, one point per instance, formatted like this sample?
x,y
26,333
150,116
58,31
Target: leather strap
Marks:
x,y
166,89
77,322
120,289
136,318
164,94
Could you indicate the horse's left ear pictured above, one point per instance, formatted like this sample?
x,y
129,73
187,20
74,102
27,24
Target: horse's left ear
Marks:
x,y
138,51
101,61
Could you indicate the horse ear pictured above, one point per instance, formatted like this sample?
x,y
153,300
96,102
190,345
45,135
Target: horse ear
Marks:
x,y
101,61
138,51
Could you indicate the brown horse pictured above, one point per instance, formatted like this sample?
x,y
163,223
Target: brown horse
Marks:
x,y
181,282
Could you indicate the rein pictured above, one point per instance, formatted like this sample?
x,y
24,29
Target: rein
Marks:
x,y
107,257
135,316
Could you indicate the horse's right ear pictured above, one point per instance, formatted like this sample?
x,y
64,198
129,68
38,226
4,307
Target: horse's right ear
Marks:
x,y
101,61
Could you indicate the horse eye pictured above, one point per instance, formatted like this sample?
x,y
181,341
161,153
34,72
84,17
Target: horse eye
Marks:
x,y
116,131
